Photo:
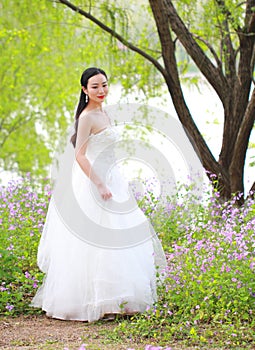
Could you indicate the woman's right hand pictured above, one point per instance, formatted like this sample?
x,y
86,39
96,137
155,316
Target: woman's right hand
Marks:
x,y
104,192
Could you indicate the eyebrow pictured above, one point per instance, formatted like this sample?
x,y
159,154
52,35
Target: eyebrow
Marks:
x,y
104,82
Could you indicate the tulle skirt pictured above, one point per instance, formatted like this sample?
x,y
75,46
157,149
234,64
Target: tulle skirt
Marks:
x,y
84,281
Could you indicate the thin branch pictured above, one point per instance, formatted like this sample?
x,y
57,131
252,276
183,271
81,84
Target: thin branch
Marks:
x,y
228,51
249,16
252,190
218,61
16,126
252,65
227,13
114,34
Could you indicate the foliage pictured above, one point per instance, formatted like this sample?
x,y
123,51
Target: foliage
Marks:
x,y
208,294
45,50
34,80
23,209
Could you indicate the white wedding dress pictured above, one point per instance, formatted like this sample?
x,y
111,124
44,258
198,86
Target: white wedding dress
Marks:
x,y
99,257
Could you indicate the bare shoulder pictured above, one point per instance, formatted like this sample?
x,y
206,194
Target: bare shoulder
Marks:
x,y
86,117
91,114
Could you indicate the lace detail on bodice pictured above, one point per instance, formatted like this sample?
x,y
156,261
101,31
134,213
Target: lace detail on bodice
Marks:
x,y
101,146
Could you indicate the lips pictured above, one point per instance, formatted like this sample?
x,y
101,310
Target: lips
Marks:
x,y
101,97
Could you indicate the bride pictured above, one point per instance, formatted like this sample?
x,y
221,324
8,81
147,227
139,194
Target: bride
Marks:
x,y
99,253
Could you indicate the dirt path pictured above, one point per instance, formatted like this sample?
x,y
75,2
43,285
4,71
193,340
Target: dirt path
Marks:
x,y
40,332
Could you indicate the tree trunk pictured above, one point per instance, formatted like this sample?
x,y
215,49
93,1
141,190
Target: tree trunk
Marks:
x,y
233,88
241,145
209,163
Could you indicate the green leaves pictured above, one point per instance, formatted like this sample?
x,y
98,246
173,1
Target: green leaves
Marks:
x,y
45,49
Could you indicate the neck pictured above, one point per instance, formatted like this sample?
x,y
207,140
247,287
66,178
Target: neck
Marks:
x,y
94,105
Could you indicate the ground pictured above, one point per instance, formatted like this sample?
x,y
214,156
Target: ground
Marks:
x,y
40,332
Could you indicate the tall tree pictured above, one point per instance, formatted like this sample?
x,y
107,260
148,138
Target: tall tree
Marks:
x,y
219,37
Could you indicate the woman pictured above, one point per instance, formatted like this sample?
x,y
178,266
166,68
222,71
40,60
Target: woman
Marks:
x,y
98,251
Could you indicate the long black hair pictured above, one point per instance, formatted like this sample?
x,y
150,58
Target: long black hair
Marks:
x,y
86,75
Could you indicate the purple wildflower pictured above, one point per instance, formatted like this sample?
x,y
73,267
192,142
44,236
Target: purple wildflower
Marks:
x,y
9,307
27,274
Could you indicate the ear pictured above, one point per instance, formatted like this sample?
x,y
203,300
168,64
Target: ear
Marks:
x,y
84,90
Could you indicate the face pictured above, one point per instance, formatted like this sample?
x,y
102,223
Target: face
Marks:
x,y
97,89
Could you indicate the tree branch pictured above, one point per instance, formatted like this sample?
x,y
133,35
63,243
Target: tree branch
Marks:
x,y
241,144
252,190
247,40
18,122
217,60
250,16
246,61
227,13
213,74
175,90
252,66
250,24
167,46
229,54
114,34
240,82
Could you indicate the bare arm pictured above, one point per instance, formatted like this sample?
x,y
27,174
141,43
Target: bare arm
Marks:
x,y
84,130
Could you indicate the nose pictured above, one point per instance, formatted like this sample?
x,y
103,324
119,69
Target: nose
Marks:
x,y
101,89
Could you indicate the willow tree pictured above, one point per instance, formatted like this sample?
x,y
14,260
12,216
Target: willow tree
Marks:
x,y
40,60
219,37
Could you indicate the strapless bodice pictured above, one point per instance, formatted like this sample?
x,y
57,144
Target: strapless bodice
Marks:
x,y
100,150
